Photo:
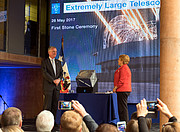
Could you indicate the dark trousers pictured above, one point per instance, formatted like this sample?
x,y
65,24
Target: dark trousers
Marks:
x,y
51,101
122,105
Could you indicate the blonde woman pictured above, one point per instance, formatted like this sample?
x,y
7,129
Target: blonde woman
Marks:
x,y
122,86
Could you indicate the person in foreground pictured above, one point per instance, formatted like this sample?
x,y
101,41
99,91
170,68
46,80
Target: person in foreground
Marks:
x,y
45,121
71,122
122,86
12,129
52,74
11,119
132,125
171,126
107,128
90,123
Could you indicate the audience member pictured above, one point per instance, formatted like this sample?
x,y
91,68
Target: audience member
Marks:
x,y
171,127
149,123
45,121
71,122
148,120
134,115
12,128
132,126
11,116
0,123
90,123
84,127
106,128
142,112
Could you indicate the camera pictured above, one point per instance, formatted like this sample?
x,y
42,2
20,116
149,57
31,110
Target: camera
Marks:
x,y
121,126
152,105
65,105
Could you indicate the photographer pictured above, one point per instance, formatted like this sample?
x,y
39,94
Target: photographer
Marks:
x,y
142,111
164,109
141,114
90,123
172,125
71,122
105,127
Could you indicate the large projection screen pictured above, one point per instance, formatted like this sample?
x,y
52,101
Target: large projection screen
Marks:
x,y
95,34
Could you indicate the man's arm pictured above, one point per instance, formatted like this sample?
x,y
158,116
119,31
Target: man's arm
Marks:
x,y
90,123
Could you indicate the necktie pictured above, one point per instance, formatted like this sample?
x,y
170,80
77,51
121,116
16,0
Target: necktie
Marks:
x,y
53,65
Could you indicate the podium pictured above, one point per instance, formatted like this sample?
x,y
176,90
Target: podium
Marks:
x,y
85,89
87,82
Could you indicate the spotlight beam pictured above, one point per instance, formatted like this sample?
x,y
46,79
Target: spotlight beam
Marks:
x,y
127,18
145,34
144,24
107,26
154,12
133,21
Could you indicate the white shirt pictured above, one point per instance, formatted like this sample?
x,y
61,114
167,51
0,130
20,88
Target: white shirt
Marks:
x,y
53,64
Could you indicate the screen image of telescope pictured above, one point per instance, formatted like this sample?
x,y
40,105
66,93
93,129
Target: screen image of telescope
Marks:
x,y
65,105
151,105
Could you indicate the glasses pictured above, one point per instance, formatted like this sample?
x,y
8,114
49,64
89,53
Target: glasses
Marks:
x,y
168,123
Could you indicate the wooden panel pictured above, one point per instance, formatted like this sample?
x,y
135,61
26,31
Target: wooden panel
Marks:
x,y
22,88
14,59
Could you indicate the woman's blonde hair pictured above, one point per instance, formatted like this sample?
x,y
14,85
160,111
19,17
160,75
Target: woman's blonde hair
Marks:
x,y
125,58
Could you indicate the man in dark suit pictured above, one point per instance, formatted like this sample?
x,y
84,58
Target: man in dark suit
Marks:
x,y
52,74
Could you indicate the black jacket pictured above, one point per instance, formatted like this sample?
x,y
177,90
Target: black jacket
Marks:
x,y
49,76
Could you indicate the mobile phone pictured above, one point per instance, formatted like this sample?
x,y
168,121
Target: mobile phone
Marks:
x,y
152,105
64,105
121,126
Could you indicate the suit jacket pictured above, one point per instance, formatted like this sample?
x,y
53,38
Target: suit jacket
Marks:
x,y
90,123
49,75
122,79
142,124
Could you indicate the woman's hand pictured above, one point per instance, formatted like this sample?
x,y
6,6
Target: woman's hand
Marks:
x,y
114,89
